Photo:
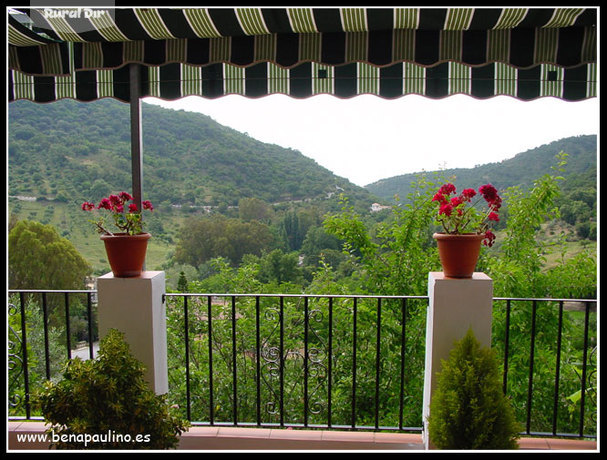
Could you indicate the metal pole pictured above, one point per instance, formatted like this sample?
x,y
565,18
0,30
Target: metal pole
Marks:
x,y
136,138
136,135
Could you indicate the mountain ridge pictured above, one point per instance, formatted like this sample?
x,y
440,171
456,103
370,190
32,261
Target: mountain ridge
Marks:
x,y
521,170
73,151
81,151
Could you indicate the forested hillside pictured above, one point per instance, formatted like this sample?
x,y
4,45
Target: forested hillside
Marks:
x,y
520,170
220,193
81,151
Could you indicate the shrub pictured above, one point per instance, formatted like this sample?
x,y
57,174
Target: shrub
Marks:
x,y
106,404
468,408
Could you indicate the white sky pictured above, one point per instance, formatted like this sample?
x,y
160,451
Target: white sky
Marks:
x,y
367,138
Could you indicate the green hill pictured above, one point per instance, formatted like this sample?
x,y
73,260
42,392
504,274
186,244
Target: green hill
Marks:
x,y
81,151
521,170
64,153
67,152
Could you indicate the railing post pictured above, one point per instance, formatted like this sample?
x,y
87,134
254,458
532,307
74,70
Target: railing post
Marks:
x,y
454,307
135,306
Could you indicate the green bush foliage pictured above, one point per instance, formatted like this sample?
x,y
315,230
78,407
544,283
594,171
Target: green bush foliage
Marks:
x,y
106,404
468,408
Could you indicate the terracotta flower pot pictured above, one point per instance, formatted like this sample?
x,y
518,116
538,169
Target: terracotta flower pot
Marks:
x,y
458,253
126,253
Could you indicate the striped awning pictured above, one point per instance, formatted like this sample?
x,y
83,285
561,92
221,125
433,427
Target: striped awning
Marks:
x,y
390,52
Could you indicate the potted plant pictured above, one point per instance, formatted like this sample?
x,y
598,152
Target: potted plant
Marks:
x,y
126,248
106,403
469,410
465,227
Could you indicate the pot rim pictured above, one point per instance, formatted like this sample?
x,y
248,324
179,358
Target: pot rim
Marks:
x,y
143,235
442,235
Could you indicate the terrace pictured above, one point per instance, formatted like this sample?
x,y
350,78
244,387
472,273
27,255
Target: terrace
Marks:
x,y
276,371
294,372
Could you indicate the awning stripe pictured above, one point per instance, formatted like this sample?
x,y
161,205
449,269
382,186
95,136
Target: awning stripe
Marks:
x,y
564,17
50,59
201,23
546,45
167,23
252,22
427,48
510,18
63,29
505,80
406,18
19,38
107,28
174,81
302,20
354,20
589,45
152,23
436,52
459,18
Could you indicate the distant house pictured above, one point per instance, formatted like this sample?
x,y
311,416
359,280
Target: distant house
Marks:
x,y
376,207
23,198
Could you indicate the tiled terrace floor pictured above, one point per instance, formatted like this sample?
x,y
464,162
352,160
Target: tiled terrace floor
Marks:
x,y
234,438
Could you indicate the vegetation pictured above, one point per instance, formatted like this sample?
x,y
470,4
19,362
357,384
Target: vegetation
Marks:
x,y
73,152
40,259
106,404
521,170
290,232
469,409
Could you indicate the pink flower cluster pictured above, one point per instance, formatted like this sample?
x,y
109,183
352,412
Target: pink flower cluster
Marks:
x,y
127,217
115,203
455,216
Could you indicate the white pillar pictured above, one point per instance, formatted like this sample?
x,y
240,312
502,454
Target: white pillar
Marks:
x,y
456,305
135,307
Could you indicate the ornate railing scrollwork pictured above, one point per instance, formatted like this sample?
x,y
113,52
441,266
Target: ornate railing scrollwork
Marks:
x,y
592,382
15,360
296,358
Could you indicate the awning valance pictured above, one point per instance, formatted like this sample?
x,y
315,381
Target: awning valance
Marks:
x,y
390,52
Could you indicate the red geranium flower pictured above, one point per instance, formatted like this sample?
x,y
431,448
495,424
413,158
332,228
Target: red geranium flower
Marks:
x,y
489,192
86,206
468,219
447,189
446,209
468,194
129,222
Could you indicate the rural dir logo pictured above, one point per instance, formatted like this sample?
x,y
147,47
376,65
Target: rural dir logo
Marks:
x,y
81,19
73,13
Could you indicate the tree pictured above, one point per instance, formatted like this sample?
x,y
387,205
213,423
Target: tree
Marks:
x,y
208,238
41,259
182,284
519,268
279,267
316,244
396,255
253,209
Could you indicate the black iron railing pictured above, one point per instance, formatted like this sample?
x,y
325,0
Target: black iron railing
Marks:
x,y
300,360
33,316
332,362
556,340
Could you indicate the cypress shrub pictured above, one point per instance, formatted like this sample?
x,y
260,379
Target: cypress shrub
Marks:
x,y
469,409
